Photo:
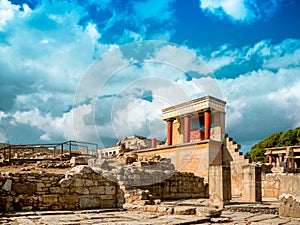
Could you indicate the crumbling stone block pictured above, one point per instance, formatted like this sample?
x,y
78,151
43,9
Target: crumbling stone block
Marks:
x,y
208,212
289,206
184,210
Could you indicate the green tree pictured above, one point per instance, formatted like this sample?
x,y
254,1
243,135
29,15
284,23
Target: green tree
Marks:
x,y
288,138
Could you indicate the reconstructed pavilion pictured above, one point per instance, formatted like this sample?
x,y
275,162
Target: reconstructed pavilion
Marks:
x,y
196,130
288,156
196,120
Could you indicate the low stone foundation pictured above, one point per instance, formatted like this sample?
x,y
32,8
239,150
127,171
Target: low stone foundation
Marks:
x,y
84,187
80,188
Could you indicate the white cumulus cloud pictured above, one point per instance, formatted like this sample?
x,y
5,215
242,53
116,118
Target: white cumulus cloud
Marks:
x,y
240,10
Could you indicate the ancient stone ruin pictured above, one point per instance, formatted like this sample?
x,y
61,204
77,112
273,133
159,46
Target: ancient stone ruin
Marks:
x,y
198,161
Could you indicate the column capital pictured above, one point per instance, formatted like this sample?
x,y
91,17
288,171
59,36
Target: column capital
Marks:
x,y
187,115
207,110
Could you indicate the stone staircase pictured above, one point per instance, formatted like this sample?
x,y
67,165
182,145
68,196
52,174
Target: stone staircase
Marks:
x,y
237,160
234,150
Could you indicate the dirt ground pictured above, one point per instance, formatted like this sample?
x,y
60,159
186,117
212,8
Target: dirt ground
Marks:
x,y
32,168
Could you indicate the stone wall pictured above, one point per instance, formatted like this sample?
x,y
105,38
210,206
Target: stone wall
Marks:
x,y
289,195
285,188
84,187
157,178
252,183
219,185
80,188
190,157
270,186
178,186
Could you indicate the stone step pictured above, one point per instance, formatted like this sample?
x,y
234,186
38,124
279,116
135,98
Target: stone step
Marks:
x,y
253,208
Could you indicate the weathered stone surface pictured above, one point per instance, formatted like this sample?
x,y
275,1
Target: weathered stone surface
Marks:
x,y
50,199
24,188
289,206
45,191
57,190
65,183
150,208
220,220
97,190
7,185
83,169
110,190
108,204
69,199
184,210
208,212
89,202
165,210
79,160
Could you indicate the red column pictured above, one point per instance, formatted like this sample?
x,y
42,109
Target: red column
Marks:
x,y
187,128
153,143
207,121
270,159
170,130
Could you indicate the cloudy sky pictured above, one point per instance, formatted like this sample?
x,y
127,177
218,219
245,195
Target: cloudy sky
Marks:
x,y
99,70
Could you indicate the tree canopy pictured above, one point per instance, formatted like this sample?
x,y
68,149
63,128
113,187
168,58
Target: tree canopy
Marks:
x,y
280,139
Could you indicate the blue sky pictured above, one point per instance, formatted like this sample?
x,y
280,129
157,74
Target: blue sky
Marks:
x,y
99,70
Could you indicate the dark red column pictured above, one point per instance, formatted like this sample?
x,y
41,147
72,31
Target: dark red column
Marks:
x,y
270,159
207,122
170,130
187,128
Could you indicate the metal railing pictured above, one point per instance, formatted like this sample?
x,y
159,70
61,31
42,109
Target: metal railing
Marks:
x,y
53,151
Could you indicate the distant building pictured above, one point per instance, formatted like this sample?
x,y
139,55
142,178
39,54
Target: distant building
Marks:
x,y
134,142
288,156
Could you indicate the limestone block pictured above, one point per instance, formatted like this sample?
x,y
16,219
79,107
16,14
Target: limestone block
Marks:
x,y
7,185
98,190
89,183
78,161
80,190
289,206
142,202
79,183
150,208
184,210
107,197
110,190
165,210
24,188
50,199
83,169
89,202
128,206
69,199
66,182
57,190
208,212
40,185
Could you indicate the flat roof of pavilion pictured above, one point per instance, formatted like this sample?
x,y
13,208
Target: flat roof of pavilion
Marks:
x,y
196,105
280,150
